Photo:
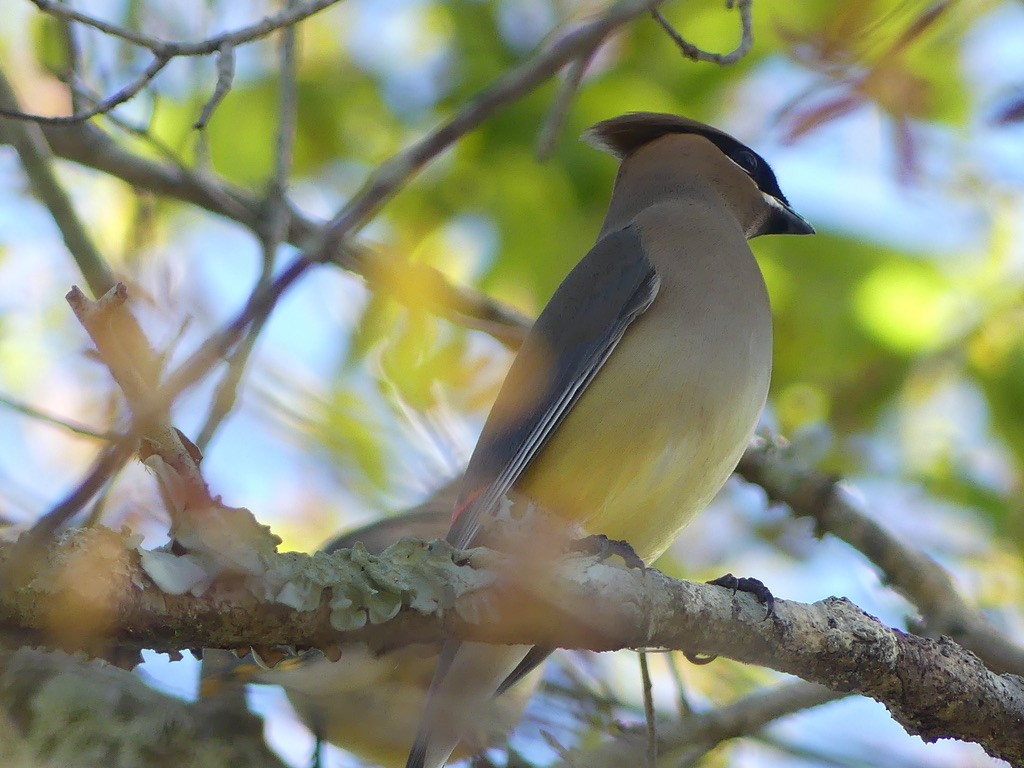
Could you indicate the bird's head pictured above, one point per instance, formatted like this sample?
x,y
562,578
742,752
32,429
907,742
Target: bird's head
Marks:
x,y
627,135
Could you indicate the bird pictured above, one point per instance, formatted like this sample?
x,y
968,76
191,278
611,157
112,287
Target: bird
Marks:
x,y
637,389
364,703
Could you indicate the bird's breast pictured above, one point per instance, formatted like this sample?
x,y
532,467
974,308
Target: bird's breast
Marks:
x,y
663,424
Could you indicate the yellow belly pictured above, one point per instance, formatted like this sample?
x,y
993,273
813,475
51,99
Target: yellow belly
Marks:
x,y
371,706
653,438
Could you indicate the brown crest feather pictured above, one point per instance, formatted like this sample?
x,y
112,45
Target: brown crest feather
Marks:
x,y
625,134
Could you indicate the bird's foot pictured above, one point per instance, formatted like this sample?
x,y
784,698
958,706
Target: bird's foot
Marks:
x,y
754,587
604,548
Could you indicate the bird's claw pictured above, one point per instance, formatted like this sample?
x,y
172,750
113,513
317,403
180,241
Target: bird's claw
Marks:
x,y
604,548
754,587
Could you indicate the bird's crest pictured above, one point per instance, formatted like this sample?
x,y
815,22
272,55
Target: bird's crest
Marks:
x,y
625,134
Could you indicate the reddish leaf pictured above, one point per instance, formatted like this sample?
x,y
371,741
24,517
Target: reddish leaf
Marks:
x,y
804,121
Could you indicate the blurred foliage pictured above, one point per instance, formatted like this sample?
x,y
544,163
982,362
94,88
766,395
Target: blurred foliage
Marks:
x,y
874,337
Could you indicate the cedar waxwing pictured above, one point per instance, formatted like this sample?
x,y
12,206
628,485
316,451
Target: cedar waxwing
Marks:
x,y
366,704
637,389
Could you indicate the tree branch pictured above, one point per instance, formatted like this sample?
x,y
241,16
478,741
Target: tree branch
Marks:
x,y
141,80
416,592
35,156
686,740
691,51
58,710
287,17
910,571
70,425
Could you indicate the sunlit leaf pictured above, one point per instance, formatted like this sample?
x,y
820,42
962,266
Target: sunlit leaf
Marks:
x,y
904,305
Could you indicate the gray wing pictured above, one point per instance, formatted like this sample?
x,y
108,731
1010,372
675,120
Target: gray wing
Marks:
x,y
573,337
424,522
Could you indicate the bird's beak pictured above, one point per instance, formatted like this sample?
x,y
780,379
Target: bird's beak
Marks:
x,y
784,220
798,225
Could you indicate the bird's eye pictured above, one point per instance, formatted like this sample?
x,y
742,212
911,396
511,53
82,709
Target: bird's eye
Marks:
x,y
746,160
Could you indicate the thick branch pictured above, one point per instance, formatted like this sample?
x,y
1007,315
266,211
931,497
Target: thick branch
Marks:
x,y
416,592
910,571
109,717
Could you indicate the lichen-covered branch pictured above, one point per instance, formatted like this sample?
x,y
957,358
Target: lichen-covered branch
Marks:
x,y
907,569
58,710
98,590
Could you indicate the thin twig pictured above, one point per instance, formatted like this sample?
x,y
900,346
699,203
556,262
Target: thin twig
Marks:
x,y
103,319
285,18
394,173
225,77
105,466
198,181
163,51
682,700
690,738
104,106
36,158
746,716
99,506
652,728
74,56
278,216
548,136
691,51
57,421
87,145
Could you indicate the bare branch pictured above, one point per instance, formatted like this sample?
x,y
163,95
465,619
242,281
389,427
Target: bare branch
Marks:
x,y
133,365
287,17
278,215
118,336
35,157
548,136
57,421
102,319
651,753
106,465
391,176
908,570
225,77
696,734
691,51
87,145
163,52
394,173
102,107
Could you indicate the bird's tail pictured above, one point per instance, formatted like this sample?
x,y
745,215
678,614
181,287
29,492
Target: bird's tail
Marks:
x,y
467,675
